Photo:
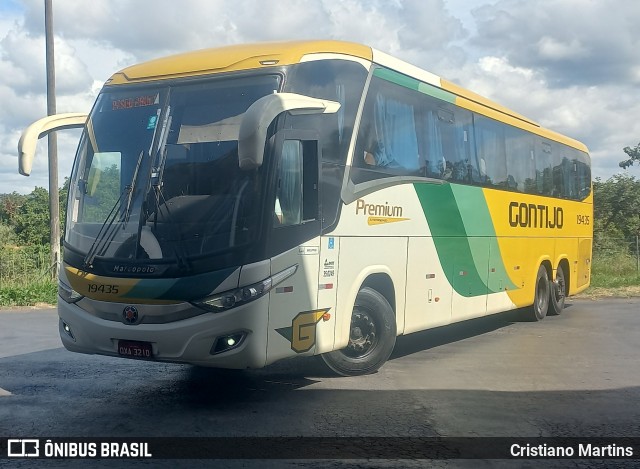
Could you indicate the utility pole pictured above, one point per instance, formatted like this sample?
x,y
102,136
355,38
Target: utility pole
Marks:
x,y
54,204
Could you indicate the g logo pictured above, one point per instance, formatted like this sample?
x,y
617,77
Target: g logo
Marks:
x,y
304,330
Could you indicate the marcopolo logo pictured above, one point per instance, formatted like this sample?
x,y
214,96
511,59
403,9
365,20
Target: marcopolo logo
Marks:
x,y
130,314
379,214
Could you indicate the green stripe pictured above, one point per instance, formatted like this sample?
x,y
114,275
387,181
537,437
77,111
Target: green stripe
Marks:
x,y
476,217
413,84
397,78
464,237
437,92
450,238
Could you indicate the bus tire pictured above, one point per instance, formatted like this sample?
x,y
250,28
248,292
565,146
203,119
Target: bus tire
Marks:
x,y
372,336
542,295
558,292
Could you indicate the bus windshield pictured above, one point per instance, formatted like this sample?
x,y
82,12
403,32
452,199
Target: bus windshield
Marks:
x,y
157,177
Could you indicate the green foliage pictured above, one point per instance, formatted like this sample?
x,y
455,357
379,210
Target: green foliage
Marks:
x,y
7,235
28,215
614,270
633,154
32,220
616,208
25,294
24,275
23,263
9,206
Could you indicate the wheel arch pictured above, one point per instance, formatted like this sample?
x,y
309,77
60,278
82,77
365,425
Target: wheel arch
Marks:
x,y
377,277
546,263
383,284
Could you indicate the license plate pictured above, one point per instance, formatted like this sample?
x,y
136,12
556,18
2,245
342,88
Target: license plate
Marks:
x,y
134,349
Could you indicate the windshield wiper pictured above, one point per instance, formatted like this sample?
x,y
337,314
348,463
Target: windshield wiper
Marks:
x,y
130,188
108,230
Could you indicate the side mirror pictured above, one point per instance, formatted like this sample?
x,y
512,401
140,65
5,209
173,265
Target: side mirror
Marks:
x,y
256,121
40,128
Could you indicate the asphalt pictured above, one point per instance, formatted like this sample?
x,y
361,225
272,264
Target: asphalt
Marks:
x,y
576,375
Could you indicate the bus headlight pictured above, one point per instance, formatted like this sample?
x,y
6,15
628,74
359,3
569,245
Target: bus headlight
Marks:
x,y
67,293
233,298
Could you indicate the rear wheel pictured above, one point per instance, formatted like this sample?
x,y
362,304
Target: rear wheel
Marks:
x,y
558,290
371,339
542,293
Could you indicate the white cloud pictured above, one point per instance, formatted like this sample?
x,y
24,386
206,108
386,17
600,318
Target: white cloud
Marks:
x,y
554,49
572,41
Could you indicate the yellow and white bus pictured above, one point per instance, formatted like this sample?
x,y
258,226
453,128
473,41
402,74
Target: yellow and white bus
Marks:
x,y
236,206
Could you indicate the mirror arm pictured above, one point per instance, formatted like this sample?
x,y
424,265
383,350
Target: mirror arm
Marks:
x,y
258,117
40,128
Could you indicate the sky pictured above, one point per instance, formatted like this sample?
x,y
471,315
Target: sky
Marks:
x,y
571,65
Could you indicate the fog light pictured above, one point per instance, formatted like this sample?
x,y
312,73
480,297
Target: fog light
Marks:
x,y
67,330
227,342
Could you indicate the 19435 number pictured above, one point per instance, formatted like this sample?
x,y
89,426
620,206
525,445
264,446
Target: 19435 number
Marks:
x,y
99,288
583,219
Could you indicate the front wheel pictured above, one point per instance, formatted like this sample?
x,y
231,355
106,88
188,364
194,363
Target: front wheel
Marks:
x,y
371,339
557,294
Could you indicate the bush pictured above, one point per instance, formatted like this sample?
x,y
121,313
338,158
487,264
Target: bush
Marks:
x,y
614,269
25,294
23,263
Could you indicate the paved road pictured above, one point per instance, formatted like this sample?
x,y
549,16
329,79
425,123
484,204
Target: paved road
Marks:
x,y
575,375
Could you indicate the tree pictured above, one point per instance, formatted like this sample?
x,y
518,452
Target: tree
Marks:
x,y
616,207
10,205
634,156
32,219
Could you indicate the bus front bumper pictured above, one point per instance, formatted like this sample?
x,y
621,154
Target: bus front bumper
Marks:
x,y
194,340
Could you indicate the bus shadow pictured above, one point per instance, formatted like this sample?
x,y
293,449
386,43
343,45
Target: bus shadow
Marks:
x,y
300,371
436,337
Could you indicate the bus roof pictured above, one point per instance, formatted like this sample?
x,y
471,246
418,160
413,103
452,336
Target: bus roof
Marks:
x,y
234,58
269,54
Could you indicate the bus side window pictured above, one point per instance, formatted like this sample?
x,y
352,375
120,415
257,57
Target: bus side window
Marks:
x,y
544,168
490,144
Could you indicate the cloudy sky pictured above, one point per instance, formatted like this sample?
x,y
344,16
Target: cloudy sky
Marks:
x,y
571,65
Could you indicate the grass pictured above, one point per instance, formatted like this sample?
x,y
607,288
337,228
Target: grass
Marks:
x,y
28,294
613,275
614,271
25,275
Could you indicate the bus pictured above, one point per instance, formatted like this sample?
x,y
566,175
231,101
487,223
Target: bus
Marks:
x,y
236,206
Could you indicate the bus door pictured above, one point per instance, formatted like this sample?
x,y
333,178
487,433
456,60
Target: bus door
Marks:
x,y
296,322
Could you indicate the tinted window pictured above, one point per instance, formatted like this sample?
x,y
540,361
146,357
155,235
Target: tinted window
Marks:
x,y
519,147
446,141
492,153
407,132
